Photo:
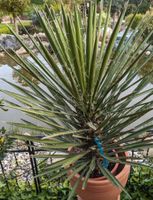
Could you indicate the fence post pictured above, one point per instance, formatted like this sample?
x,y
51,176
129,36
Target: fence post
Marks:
x,y
34,166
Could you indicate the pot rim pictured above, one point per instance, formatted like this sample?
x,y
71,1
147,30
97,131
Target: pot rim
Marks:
x,y
101,180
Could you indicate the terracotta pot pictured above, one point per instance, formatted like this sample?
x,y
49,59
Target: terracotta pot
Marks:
x,y
102,189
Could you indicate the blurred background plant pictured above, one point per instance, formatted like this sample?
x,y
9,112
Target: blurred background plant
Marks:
x,y
5,143
144,7
137,19
15,8
1,15
25,10
140,184
68,4
149,25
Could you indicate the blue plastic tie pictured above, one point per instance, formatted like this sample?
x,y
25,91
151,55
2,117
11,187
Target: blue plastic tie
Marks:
x,y
105,162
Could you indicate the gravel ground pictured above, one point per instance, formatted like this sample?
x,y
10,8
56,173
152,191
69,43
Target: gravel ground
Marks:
x,y
18,164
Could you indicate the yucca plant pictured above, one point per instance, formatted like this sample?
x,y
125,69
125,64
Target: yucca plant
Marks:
x,y
89,94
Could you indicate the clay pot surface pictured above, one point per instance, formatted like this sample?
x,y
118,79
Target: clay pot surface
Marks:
x,y
101,189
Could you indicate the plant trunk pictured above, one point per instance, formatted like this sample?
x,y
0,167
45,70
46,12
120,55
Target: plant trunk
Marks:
x,y
15,24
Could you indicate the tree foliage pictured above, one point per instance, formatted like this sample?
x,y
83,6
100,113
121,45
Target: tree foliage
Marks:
x,y
68,4
38,2
149,27
144,7
116,5
138,18
133,4
14,7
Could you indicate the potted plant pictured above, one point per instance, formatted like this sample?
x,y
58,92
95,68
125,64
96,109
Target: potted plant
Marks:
x,y
88,101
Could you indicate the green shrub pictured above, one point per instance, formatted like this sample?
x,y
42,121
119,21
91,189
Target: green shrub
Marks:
x,y
4,29
38,2
140,184
147,69
23,191
149,27
5,143
138,18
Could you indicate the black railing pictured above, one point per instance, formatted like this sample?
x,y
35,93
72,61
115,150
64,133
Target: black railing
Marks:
x,y
29,148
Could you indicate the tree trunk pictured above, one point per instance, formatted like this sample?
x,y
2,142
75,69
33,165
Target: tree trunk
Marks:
x,y
115,17
100,6
11,20
69,3
15,24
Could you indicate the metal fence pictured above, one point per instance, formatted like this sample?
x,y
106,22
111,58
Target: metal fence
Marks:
x,y
19,163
